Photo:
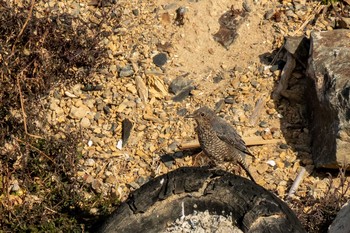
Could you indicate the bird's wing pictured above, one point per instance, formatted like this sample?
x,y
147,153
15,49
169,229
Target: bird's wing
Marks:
x,y
229,135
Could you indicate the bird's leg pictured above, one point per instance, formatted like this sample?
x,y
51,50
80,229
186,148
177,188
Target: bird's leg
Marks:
x,y
234,169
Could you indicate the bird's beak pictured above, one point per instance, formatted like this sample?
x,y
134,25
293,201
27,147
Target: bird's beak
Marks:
x,y
189,116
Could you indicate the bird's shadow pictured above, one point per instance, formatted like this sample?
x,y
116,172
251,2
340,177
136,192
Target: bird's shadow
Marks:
x,y
169,159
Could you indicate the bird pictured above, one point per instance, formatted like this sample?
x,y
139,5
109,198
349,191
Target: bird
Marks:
x,y
219,140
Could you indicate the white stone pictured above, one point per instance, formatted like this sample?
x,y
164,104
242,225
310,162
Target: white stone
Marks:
x,y
272,163
89,143
120,144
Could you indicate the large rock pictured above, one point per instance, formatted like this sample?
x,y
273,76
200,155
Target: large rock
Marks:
x,y
341,223
329,73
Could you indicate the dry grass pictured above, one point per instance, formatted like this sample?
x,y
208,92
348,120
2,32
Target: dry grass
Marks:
x,y
317,214
36,54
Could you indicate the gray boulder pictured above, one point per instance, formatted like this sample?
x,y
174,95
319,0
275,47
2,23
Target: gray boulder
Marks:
x,y
329,96
341,223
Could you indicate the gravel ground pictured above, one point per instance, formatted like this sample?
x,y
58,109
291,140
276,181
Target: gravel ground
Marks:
x,y
161,67
231,81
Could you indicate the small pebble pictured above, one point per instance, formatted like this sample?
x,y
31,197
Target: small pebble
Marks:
x,y
135,12
71,95
126,71
120,144
269,14
93,211
182,112
90,143
96,185
85,123
229,100
106,110
78,113
97,116
183,94
179,83
261,168
89,162
173,146
160,59
15,186
134,185
263,124
272,163
255,83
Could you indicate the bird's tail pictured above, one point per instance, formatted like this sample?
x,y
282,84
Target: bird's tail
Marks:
x,y
244,166
248,152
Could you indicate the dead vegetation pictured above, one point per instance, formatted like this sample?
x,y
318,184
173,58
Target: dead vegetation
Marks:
x,y
316,214
39,50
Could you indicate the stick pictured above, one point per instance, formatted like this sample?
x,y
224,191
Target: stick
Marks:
x,y
297,182
23,27
22,107
286,73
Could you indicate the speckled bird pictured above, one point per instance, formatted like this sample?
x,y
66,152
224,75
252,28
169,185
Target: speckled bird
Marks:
x,y
219,140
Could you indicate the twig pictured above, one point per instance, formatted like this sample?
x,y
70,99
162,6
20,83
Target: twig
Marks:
x,y
23,27
34,148
55,212
277,54
286,73
22,105
21,72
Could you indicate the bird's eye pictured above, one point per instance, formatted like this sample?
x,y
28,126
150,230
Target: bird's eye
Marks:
x,y
202,114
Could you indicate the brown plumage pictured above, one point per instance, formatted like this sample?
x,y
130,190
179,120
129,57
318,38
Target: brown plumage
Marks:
x,y
219,140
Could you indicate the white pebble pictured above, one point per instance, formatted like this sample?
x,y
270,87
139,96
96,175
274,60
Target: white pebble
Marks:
x,y
272,163
161,181
120,144
89,143
15,186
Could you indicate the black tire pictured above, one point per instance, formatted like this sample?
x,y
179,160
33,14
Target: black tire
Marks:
x,y
159,202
